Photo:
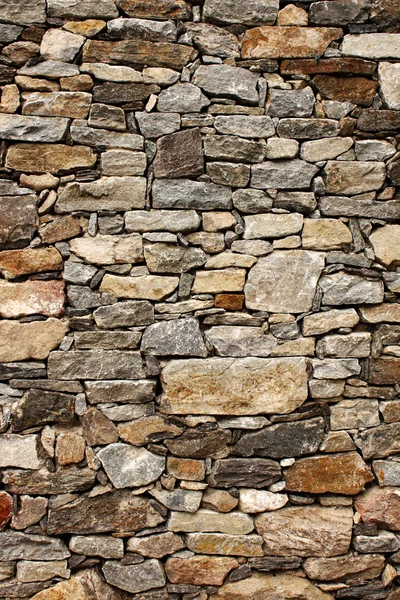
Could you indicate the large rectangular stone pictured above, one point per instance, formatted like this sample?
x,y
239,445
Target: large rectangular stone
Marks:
x,y
360,206
227,386
372,45
42,158
32,129
15,545
253,12
32,297
108,364
23,12
107,193
184,193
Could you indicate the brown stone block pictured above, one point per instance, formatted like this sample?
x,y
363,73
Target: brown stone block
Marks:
x,y
357,90
312,66
229,301
42,158
384,371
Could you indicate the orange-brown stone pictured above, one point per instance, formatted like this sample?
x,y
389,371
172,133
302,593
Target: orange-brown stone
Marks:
x,y
14,263
229,301
311,66
380,505
358,90
344,473
6,508
186,468
288,42
49,158
199,570
384,371
62,228
156,9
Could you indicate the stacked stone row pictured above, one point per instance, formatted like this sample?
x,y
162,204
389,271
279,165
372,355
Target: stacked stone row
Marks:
x,y
199,300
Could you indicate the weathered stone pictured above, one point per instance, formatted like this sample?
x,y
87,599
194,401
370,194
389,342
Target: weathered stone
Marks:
x,y
283,175
179,155
166,9
278,585
276,441
135,578
30,511
138,52
32,129
17,231
162,220
108,193
272,226
148,287
42,570
213,41
97,429
182,380
6,508
220,280
377,120
56,104
348,177
280,148
186,468
24,13
127,466
325,149
331,368
123,162
254,501
62,228
307,129
119,93
63,481
382,313
22,341
156,546
344,288
98,9
145,29
241,472
293,103
124,314
61,45
388,80
224,147
288,293
182,98
108,139
381,506
354,414
377,46
385,541
385,242
164,258
240,341
229,82
199,570
23,546
374,150
52,158
338,474
315,530
154,125
357,90
387,472
109,249
30,260
350,568
108,340
187,194
194,443
116,511
232,174
356,345
325,234
84,586
20,451
70,449
205,521
339,12
180,337
303,202
181,500
93,365
230,259
105,72
288,42
361,206
379,442
38,407
229,545
254,13
31,297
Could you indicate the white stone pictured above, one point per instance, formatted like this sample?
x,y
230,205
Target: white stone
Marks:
x,y
389,80
325,149
109,249
272,225
372,45
255,501
58,44
119,74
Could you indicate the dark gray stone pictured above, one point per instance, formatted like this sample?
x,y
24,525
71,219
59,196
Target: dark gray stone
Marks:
x,y
108,364
340,12
37,407
194,443
64,481
244,472
180,337
184,193
124,314
179,155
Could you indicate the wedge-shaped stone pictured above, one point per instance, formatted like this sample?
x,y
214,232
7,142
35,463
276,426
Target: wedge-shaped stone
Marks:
x,y
135,578
228,545
108,364
288,42
309,530
345,288
109,249
32,129
83,586
274,587
22,546
179,155
331,319
377,46
283,439
229,82
49,158
379,442
283,174
255,12
127,466
20,451
107,193
63,481
337,473
247,386
240,341
194,443
148,287
199,570
138,52
15,263
277,282
116,511
184,193
31,297
203,520
180,337
23,12
349,568
272,226
354,177
156,9
18,221
381,506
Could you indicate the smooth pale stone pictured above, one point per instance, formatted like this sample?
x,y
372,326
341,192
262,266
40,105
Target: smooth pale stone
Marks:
x,y
123,162
288,42
325,234
356,345
325,149
332,319
354,177
240,341
187,194
107,193
61,45
118,74
272,225
331,368
284,281
20,451
41,570
182,98
105,546
243,422
22,341
278,148
254,12
187,306
262,586
282,175
374,150
51,69
127,466
372,45
146,287
310,530
351,567
56,104
386,244
159,75
225,544
154,125
256,501
384,313
320,388
354,414
245,126
32,129
204,521
174,221
156,31
218,221
344,288
218,281
109,249
269,386
229,82
389,81
32,297
230,259
52,158
135,578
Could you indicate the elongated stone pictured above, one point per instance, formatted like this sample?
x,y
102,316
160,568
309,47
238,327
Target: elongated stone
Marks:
x,y
38,407
350,568
199,444
158,9
64,481
348,177
283,175
240,341
85,9
358,90
92,365
218,281
256,12
272,226
89,136
108,193
255,501
124,314
162,220
199,570
187,194
57,104
278,585
135,578
360,206
145,29
164,258
179,98
148,287
344,288
234,149
22,341
23,12
228,545
32,129
245,126
229,82
109,249
156,546
15,263
244,472
214,41
307,129
183,379
234,523
50,158
22,546
377,46
379,442
31,297
311,530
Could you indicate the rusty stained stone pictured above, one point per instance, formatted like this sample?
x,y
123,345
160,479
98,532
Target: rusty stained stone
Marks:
x,y
384,371
14,263
50,158
312,66
288,42
358,90
338,474
139,52
31,298
186,468
229,301
63,481
200,570
156,9
6,508
381,506
371,120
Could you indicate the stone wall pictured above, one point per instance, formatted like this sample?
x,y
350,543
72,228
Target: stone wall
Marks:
x,y
200,320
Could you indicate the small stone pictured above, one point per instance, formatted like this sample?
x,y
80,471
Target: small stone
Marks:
x,y
108,193
159,75
255,12
61,45
32,129
180,500
331,368
385,242
343,288
373,150
30,511
148,287
187,194
123,162
15,233
99,545
255,501
108,117
6,508
182,98
39,182
32,297
164,258
162,220
232,148
213,41
387,472
199,570
307,129
205,521
354,414
49,157
186,468
279,148
62,228
218,500
63,481
180,337
70,448
100,9
293,103
292,15
154,125
135,578
42,570
379,442
92,365
350,568
381,506
179,155
272,226
145,29
108,249
88,28
282,175
377,46
232,174
127,466
119,93
223,280
56,104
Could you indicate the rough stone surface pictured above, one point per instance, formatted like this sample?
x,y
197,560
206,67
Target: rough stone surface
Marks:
x,y
130,467
288,42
